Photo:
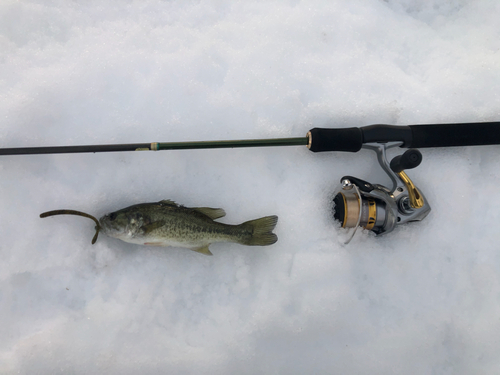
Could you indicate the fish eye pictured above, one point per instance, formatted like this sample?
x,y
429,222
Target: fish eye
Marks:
x,y
112,216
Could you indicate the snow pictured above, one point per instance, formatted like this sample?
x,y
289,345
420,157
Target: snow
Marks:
x,y
424,299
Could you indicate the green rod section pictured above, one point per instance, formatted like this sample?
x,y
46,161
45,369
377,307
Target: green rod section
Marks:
x,y
302,141
153,146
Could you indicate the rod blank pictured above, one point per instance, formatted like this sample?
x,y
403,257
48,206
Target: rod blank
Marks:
x,y
73,149
154,146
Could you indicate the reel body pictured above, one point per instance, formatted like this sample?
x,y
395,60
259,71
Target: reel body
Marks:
x,y
358,203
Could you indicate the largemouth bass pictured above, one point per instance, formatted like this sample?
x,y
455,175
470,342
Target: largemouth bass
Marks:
x,y
167,223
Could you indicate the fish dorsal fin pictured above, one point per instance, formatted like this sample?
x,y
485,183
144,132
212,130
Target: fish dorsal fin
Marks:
x,y
203,250
168,202
212,213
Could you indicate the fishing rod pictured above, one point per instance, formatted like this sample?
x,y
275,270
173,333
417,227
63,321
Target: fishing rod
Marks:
x,y
317,140
357,203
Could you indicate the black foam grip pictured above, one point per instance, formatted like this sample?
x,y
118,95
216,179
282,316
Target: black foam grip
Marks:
x,y
347,139
449,135
386,133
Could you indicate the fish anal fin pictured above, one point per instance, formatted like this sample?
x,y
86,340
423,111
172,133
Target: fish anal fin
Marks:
x,y
212,213
202,250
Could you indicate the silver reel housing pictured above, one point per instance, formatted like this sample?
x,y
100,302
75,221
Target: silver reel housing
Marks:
x,y
375,207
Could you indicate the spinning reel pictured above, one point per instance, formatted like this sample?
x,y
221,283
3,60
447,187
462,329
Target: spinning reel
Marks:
x,y
358,203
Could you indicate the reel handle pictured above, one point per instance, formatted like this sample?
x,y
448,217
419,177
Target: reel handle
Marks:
x,y
418,136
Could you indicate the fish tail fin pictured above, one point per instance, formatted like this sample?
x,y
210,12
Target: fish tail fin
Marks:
x,y
261,231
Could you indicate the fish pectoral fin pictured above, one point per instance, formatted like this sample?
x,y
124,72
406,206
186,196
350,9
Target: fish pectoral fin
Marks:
x,y
148,228
212,213
203,250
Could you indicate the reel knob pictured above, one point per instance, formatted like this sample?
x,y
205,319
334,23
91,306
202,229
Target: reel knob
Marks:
x,y
409,160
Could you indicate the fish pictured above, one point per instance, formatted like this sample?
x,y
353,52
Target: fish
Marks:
x,y
166,223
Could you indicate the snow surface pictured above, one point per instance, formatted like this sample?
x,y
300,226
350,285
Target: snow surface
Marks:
x,y
423,300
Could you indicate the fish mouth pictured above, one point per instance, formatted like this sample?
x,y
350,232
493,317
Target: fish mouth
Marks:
x,y
110,227
105,224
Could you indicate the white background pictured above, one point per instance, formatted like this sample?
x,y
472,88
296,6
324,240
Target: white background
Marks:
x,y
423,300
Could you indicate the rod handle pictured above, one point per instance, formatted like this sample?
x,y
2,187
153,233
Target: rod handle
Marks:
x,y
450,135
346,139
414,136
351,139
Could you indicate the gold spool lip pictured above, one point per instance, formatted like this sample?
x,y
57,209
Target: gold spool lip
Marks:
x,y
372,214
345,211
309,140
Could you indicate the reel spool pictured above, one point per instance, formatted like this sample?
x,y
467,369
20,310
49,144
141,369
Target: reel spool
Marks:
x,y
353,209
377,208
